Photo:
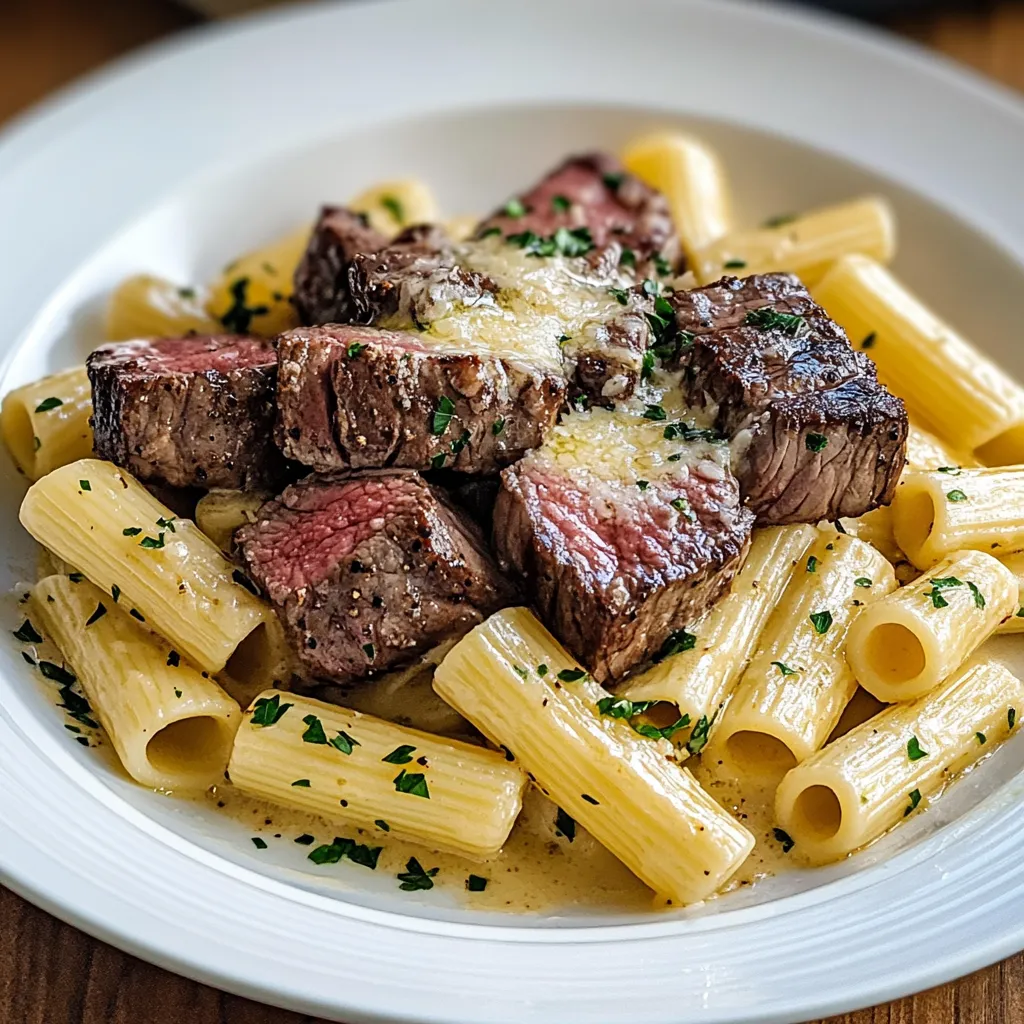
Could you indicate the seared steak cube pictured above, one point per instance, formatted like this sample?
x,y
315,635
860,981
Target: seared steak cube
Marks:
x,y
624,531
355,397
321,278
369,571
189,412
594,192
815,435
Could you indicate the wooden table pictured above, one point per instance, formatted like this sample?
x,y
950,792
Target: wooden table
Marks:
x,y
53,974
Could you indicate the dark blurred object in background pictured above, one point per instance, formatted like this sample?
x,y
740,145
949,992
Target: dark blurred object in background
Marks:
x,y
883,8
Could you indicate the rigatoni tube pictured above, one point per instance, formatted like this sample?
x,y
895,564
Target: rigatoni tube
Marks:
x,y
794,691
807,245
1015,623
220,512
394,205
691,178
171,726
701,676
948,386
46,424
937,513
870,779
906,644
151,307
319,757
99,519
516,684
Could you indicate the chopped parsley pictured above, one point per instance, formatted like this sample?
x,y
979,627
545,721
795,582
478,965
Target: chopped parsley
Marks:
x,y
77,707
1011,717
152,542
956,495
514,208
49,403
520,671
167,524
560,204
542,670
243,581
268,710
173,659
643,484
982,739
661,265
869,341
331,853
382,824
951,470
816,442
938,585
784,668
979,597
438,461
442,416
76,577
768,319
628,258
131,531
685,432
621,707
589,799
821,621
239,317
565,825
699,736
571,675
355,348
460,442
613,181
85,485
652,732
413,783
370,651
862,581
302,784
415,878
101,610
344,742
498,426
734,264
115,592
136,614
27,633
654,412
477,883
914,751
568,242
56,673
780,220
621,295
400,755
647,366
315,731
260,844
812,564
394,207
305,839
915,799
784,839
682,506
676,642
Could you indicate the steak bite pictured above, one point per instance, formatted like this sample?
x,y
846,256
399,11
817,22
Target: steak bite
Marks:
x,y
356,397
594,192
321,278
190,412
369,571
815,434
624,532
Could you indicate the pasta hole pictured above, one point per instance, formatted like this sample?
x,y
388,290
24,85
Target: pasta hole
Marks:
x,y
190,745
914,519
251,657
758,754
894,653
817,813
663,714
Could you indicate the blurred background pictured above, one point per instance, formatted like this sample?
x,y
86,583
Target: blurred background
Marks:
x,y
46,43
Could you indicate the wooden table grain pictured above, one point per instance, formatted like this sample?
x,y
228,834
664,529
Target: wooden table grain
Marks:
x,y
51,973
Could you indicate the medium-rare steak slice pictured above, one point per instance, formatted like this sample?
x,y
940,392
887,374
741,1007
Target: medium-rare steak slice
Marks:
x,y
370,570
625,532
594,191
321,278
815,435
354,397
189,412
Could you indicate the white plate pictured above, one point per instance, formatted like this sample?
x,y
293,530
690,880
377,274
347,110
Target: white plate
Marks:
x,y
181,156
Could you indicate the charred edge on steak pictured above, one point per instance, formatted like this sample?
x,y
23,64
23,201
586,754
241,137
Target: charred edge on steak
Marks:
x,y
369,571
356,397
816,435
321,278
619,551
188,412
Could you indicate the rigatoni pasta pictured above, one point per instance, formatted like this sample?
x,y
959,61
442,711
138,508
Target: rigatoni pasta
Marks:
x,y
937,513
169,575
45,424
692,179
1015,623
393,205
948,386
171,725
873,777
220,512
909,642
807,245
384,777
792,694
145,306
516,684
698,679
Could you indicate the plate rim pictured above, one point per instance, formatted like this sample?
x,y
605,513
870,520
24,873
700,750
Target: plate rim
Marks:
x,y
36,131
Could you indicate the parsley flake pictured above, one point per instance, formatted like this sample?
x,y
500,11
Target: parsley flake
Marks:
x,y
571,675
956,495
101,610
49,403
268,710
442,416
394,206
498,426
242,580
816,442
476,883
914,751
654,412
514,208
784,668
784,839
821,621
400,755
413,783
915,799
862,581
768,319
560,204
344,742
27,633
565,825
979,597
676,642
355,348
302,784
415,878
812,564
56,673
315,731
